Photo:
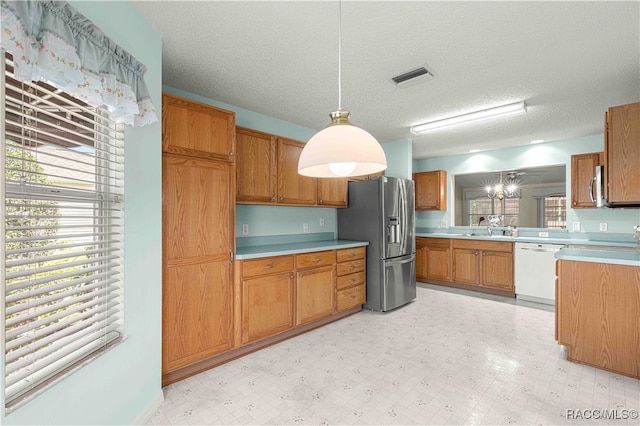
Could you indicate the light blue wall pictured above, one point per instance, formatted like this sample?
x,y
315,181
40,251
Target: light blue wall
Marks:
x,y
552,153
124,385
399,154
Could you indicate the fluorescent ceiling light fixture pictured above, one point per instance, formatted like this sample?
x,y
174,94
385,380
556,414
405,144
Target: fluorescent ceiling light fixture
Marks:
x,y
474,150
485,114
537,141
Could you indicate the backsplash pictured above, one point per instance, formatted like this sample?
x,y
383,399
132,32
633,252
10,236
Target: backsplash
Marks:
x,y
283,220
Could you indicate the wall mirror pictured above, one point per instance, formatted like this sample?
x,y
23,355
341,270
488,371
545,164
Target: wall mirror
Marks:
x,y
532,197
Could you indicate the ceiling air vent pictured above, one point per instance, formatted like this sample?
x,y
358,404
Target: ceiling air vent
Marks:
x,y
415,76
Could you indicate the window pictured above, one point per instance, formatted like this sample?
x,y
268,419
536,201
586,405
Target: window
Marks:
x,y
555,212
481,208
63,221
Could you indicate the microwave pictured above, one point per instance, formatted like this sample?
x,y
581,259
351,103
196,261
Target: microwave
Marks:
x,y
598,182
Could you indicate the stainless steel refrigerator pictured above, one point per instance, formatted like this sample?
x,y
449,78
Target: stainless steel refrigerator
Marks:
x,y
381,211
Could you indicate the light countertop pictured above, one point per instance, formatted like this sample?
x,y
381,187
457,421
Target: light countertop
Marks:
x,y
578,249
255,252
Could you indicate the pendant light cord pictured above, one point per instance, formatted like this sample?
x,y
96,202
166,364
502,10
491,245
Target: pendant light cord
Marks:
x,y
339,55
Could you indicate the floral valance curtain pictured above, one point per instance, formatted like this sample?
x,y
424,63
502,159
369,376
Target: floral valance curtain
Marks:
x,y
52,42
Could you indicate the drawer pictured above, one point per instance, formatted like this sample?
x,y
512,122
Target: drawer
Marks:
x,y
433,242
345,255
318,258
483,245
268,265
352,267
351,280
351,297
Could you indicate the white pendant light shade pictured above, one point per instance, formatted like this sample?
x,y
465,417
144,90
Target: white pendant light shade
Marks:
x,y
341,150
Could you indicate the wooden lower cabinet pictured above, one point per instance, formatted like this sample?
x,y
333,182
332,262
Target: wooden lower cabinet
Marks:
x,y
197,284
487,264
315,287
351,282
598,314
267,297
421,259
496,270
438,259
466,268
315,294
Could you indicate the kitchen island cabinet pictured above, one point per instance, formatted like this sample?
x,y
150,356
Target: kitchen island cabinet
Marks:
x,y
598,314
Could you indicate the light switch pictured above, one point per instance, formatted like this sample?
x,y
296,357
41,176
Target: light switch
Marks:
x,y
245,229
576,226
305,227
603,226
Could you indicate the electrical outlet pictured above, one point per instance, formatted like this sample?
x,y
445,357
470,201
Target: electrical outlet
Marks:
x,y
245,229
322,222
305,227
603,226
543,234
443,224
576,226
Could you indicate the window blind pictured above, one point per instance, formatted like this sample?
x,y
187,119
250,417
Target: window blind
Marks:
x,y
63,172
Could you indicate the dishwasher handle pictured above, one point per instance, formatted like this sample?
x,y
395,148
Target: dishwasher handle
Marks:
x,y
540,250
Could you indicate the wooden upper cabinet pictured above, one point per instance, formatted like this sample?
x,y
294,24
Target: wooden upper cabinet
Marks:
x,y
583,169
255,166
622,155
292,187
196,129
431,190
332,192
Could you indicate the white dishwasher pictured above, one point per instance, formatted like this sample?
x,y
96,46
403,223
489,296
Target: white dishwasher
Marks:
x,y
535,272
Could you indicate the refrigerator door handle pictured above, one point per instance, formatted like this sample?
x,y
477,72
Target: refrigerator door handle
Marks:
x,y
400,262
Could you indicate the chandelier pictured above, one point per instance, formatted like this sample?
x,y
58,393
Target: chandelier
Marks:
x,y
502,190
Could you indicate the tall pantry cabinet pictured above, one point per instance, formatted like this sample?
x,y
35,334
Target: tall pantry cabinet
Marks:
x,y
198,209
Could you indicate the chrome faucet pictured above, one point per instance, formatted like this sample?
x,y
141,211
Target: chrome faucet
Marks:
x,y
490,230
637,233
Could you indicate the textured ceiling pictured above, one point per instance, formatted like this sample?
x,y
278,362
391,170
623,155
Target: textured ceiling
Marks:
x,y
569,61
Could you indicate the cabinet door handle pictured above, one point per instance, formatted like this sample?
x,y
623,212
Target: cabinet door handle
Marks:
x,y
291,276
352,267
273,198
352,297
269,266
476,253
317,259
484,253
230,256
353,280
320,201
231,154
281,198
352,254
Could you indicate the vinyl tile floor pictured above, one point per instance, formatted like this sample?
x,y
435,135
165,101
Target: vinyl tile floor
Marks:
x,y
447,358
